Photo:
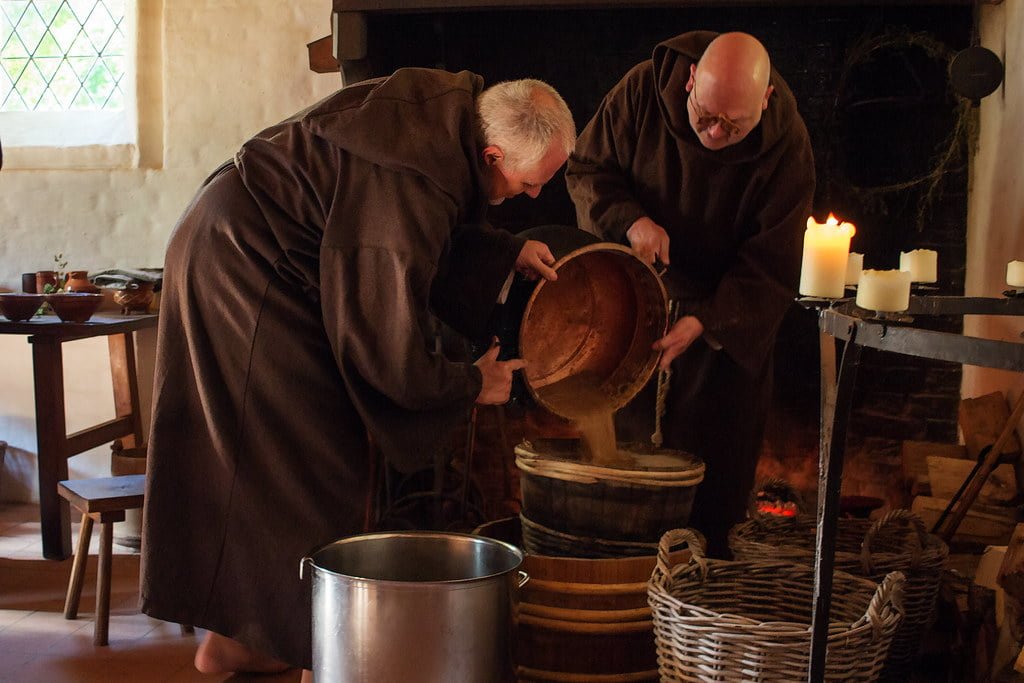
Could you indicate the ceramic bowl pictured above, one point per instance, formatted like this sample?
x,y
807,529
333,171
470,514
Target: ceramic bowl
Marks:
x,y
20,306
74,307
136,297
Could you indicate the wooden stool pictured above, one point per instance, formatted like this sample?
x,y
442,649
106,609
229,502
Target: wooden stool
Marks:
x,y
103,500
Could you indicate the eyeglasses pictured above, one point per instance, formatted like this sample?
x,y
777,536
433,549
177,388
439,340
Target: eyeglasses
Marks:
x,y
706,120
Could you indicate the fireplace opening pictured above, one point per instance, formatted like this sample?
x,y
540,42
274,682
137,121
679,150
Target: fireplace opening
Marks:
x,y
889,141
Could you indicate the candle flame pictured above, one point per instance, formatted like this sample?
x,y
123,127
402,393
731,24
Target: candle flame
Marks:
x,y
834,224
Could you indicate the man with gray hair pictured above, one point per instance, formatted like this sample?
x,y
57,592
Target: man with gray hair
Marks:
x,y
297,324
528,123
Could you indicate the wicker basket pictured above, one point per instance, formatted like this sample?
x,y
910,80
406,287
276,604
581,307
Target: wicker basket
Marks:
x,y
897,541
716,620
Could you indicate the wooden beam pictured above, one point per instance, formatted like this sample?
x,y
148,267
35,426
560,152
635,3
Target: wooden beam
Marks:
x,y
321,56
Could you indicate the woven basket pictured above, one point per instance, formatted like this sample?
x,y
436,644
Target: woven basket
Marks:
x,y
716,620
897,541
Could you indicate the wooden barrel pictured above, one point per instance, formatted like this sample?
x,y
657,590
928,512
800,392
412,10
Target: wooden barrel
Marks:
x,y
637,500
583,619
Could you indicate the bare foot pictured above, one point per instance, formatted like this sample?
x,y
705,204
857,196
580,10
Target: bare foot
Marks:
x,y
307,676
218,654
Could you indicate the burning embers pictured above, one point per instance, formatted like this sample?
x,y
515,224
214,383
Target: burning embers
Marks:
x,y
776,498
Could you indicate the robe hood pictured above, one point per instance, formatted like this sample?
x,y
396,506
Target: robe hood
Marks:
x,y
671,61
390,122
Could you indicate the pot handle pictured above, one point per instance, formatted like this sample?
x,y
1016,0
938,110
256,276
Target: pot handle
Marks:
x,y
302,566
524,578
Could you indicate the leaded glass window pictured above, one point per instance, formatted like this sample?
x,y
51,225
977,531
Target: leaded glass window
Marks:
x,y
62,55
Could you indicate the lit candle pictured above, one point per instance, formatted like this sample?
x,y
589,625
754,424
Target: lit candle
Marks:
x,y
826,248
1015,273
854,264
884,290
922,264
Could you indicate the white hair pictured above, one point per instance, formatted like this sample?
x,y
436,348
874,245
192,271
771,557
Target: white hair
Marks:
x,y
524,118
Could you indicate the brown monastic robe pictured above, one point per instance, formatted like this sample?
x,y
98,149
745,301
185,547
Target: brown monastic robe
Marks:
x,y
735,219
295,321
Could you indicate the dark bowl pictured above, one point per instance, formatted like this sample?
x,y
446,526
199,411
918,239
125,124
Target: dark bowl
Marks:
x,y
18,306
134,298
74,307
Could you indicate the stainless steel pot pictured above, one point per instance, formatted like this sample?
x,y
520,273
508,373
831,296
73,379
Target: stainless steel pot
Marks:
x,y
414,606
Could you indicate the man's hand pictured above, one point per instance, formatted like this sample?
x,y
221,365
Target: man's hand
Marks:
x,y
535,260
497,376
683,333
648,240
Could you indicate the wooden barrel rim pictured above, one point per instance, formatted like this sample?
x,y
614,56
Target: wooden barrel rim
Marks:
x,y
529,674
686,461
579,573
593,616
546,586
587,627
631,570
592,474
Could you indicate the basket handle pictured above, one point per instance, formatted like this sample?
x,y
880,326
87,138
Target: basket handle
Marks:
x,y
889,592
673,537
904,516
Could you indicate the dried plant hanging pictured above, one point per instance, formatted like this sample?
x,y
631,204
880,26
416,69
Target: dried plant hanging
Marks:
x,y
893,101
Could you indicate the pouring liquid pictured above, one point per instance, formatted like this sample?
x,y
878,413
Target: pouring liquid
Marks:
x,y
581,398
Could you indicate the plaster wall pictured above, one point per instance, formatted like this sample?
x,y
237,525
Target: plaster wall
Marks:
x,y
213,72
995,233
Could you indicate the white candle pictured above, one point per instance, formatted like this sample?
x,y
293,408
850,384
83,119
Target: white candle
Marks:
x,y
854,264
884,290
922,264
1015,273
826,248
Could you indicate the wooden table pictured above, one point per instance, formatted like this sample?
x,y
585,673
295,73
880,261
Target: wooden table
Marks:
x,y
47,333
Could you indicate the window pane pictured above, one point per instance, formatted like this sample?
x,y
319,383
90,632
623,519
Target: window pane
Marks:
x,y
48,8
65,85
65,28
62,55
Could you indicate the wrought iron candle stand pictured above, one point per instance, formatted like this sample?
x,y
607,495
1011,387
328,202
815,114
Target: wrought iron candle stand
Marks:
x,y
842,319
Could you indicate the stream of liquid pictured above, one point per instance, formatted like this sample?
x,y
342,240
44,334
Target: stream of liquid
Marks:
x,y
581,398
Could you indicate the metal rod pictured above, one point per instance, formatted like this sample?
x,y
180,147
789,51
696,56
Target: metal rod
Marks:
x,y
832,448
960,491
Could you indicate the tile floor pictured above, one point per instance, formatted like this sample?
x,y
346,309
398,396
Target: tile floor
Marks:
x,y
43,647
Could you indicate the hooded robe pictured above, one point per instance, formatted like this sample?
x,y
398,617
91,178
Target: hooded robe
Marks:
x,y
296,324
735,219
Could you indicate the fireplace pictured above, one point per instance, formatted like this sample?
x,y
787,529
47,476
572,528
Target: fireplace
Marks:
x,y
889,135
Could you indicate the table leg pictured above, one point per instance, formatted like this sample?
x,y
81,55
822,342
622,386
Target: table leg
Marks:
x,y
827,348
51,437
126,386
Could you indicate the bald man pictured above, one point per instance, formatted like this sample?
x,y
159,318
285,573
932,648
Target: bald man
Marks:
x,y
699,160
